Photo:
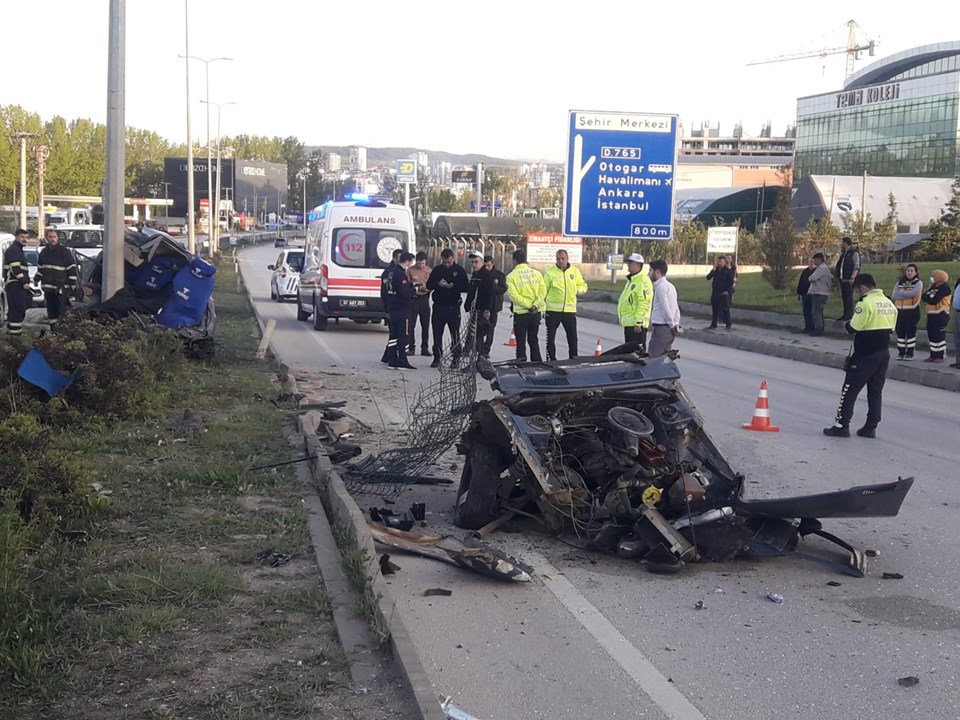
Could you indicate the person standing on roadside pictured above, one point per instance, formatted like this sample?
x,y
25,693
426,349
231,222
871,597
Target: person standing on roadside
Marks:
x,y
16,282
665,315
848,267
527,293
448,281
564,282
818,292
480,298
722,282
636,303
56,274
874,318
499,290
419,274
400,292
732,264
937,300
806,301
385,297
906,296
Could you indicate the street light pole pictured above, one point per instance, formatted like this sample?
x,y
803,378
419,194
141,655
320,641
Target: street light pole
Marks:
x,y
22,137
191,195
115,176
213,204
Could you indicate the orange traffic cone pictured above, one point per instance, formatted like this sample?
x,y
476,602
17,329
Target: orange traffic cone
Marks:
x,y
512,342
761,414
599,351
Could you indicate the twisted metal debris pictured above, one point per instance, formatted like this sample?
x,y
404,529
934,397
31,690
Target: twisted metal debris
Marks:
x,y
437,418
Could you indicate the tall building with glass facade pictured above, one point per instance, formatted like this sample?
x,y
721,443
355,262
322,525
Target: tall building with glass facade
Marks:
x,y
897,117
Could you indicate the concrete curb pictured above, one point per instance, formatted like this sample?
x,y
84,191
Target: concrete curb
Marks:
x,y
898,371
342,508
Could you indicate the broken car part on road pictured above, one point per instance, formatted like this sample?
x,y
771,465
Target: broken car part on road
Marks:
x,y
612,448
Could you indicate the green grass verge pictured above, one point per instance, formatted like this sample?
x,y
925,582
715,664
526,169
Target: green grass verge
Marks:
x,y
165,610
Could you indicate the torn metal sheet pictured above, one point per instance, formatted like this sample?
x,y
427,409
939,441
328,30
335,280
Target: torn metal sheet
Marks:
x,y
613,449
470,552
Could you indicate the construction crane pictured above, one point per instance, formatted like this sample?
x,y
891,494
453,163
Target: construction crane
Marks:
x,y
852,49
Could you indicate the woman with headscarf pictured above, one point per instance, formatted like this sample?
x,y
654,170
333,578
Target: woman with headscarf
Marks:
x,y
937,300
906,296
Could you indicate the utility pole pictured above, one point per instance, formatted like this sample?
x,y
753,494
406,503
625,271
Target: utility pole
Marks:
x,y
40,154
166,188
116,154
22,137
863,203
479,186
191,195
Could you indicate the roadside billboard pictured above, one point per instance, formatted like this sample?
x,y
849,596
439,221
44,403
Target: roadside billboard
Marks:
x,y
542,248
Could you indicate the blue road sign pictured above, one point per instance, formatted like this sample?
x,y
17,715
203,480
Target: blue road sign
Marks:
x,y
620,175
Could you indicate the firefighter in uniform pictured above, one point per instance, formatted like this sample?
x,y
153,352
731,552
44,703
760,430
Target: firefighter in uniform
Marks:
x,y
874,318
16,282
528,293
56,274
400,294
636,303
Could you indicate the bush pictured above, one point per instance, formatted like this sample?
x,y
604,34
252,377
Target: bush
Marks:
x,y
123,370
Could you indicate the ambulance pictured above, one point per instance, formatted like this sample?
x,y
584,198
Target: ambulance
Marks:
x,y
349,245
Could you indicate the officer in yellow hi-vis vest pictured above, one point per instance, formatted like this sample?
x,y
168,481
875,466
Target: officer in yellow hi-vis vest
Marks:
x,y
874,318
528,294
636,303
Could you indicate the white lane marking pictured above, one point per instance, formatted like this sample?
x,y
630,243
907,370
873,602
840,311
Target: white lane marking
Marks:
x,y
643,672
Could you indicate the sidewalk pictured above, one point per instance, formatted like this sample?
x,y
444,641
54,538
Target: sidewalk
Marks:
x,y
786,342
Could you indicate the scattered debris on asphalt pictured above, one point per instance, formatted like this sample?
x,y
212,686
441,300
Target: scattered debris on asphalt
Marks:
x,y
698,605
452,711
387,567
833,583
469,553
398,521
908,681
258,468
892,576
775,597
437,592
871,553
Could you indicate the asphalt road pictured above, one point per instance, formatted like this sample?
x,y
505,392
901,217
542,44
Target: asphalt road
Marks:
x,y
595,636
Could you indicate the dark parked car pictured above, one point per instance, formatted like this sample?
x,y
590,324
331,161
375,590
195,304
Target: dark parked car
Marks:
x,y
613,448
280,242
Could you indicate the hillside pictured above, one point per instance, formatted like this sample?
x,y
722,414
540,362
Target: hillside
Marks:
x,y
387,155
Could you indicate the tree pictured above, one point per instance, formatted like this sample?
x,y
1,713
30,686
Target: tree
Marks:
x,y
944,239
885,233
778,244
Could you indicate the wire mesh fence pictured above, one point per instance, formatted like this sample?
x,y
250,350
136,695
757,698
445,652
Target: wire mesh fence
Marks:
x,y
437,418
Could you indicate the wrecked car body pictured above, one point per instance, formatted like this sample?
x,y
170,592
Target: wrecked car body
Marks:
x,y
613,449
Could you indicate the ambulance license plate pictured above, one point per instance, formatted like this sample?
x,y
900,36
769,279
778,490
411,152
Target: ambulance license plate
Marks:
x,y
354,303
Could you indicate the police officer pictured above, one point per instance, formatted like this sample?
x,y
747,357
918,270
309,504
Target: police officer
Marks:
x,y
399,294
874,318
564,282
385,295
56,273
448,281
499,290
528,294
16,282
636,303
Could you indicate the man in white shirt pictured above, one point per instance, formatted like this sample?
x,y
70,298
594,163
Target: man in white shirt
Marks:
x,y
665,316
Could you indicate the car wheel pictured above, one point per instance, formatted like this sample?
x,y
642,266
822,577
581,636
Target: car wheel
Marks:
x,y
302,315
273,292
477,497
319,319
278,297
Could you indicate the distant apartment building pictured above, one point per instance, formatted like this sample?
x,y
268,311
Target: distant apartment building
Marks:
x,y
423,160
707,159
334,162
358,158
443,170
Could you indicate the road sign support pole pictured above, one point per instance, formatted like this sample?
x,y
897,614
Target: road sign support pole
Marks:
x,y
616,251
406,194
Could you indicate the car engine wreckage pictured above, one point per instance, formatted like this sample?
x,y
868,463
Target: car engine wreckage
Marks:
x,y
613,449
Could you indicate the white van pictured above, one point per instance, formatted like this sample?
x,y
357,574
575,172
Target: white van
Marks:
x,y
84,240
349,244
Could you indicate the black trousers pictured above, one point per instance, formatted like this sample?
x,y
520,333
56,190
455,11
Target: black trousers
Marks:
x,y
484,333
488,336
527,329
553,321
57,302
18,300
846,294
720,304
445,316
419,310
907,321
631,335
397,344
937,334
869,370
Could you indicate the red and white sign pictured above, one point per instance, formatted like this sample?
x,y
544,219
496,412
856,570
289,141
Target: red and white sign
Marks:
x,y
204,203
542,248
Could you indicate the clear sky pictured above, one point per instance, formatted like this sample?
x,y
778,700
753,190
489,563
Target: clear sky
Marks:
x,y
494,77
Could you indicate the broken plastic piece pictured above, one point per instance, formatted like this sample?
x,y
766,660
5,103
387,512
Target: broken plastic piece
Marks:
x,y
452,711
775,597
892,576
437,592
387,567
275,559
37,371
908,681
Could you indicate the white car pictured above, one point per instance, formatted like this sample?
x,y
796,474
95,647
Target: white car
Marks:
x,y
32,252
285,281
